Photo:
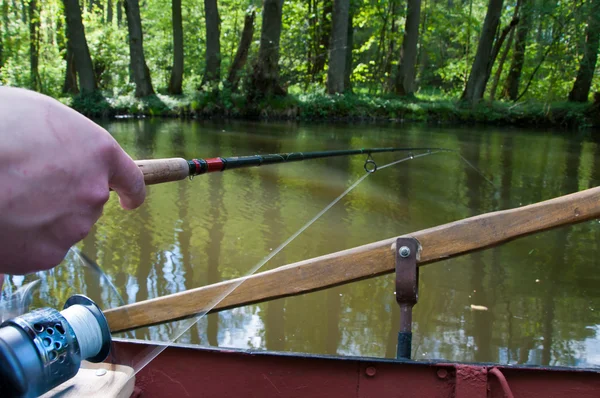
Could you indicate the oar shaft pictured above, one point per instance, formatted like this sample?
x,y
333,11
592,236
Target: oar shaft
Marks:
x,y
174,169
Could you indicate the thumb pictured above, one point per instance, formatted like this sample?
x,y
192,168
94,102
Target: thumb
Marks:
x,y
127,180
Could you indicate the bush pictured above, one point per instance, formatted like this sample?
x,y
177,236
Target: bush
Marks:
x,y
318,106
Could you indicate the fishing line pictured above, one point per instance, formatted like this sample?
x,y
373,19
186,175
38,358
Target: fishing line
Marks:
x,y
475,168
407,158
17,303
86,328
87,262
454,151
143,362
95,268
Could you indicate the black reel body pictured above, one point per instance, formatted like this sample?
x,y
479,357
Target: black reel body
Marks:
x,y
42,349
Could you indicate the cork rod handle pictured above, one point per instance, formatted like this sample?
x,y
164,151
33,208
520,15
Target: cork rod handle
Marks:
x,y
157,171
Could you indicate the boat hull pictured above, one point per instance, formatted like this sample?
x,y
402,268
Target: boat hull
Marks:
x,y
181,371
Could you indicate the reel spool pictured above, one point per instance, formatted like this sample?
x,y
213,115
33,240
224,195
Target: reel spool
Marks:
x,y
44,348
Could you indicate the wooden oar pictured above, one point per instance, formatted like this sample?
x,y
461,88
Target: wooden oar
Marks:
x,y
362,262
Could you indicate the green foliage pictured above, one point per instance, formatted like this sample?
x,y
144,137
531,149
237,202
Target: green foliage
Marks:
x,y
320,106
91,104
449,32
15,35
110,53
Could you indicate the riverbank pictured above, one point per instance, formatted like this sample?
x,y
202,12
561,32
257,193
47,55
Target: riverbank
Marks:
x,y
321,107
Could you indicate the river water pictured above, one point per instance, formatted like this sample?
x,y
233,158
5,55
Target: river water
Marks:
x,y
542,293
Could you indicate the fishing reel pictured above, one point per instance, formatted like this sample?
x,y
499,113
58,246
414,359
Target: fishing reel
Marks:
x,y
44,348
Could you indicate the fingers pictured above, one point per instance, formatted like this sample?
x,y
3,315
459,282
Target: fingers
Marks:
x,y
127,180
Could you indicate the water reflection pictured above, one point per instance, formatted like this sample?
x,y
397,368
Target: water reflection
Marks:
x,y
542,293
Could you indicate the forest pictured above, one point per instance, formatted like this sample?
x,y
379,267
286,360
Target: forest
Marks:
x,y
506,61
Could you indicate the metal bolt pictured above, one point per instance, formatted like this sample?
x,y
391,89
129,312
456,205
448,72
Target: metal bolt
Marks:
x,y
404,251
442,373
370,371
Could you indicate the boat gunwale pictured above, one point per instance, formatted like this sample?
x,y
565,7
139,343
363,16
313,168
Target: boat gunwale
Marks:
x,y
361,359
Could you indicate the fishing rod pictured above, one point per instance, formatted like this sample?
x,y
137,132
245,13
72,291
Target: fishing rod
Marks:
x,y
44,348
157,171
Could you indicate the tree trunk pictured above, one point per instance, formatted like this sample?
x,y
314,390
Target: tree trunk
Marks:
x,y
100,10
265,77
511,85
77,43
5,17
312,29
388,84
4,33
176,81
422,56
480,70
322,47
338,47
501,65
141,73
34,44
510,31
109,12
468,49
212,72
540,39
119,12
241,55
583,82
24,12
2,28
499,42
405,78
70,84
61,39
498,46
379,64
350,45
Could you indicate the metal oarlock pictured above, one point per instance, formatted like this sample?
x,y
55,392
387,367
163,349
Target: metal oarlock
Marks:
x,y
407,291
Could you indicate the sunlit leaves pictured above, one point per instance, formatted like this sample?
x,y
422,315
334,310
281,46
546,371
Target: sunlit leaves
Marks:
x,y
449,32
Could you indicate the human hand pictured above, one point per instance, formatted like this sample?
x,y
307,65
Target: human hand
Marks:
x,y
56,168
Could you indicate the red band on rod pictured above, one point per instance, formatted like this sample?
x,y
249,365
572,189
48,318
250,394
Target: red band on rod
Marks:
x,y
214,164
197,163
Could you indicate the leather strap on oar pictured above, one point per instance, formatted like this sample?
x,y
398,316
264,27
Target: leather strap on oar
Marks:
x,y
366,261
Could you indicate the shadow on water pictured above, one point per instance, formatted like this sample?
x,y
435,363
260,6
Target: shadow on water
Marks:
x,y
274,319
145,136
498,269
214,244
482,320
557,269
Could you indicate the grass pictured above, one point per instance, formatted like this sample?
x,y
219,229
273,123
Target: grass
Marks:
x,y
323,107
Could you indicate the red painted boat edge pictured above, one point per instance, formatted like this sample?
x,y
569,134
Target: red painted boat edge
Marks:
x,y
185,370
